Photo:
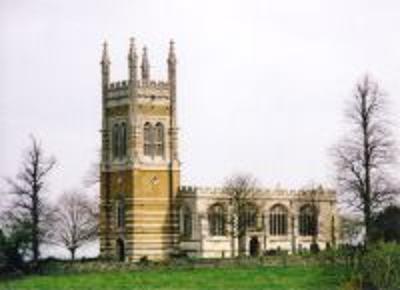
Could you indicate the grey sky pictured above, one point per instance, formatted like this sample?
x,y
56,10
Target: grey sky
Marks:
x,y
261,84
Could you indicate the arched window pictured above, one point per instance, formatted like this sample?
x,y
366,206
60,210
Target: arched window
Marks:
x,y
120,214
148,139
115,141
248,216
216,220
308,220
159,139
186,222
278,220
123,140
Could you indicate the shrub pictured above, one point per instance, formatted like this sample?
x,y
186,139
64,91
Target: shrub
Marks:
x,y
314,248
380,267
14,244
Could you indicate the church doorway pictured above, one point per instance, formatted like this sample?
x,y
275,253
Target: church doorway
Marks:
x,y
254,247
120,250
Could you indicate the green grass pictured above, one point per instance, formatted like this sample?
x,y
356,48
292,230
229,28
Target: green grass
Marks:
x,y
266,278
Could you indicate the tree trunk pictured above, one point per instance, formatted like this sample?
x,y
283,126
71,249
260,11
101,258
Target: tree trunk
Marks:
x,y
72,251
367,168
35,227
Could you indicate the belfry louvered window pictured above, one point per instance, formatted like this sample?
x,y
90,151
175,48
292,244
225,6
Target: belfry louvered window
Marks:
x,y
278,221
119,141
159,139
148,139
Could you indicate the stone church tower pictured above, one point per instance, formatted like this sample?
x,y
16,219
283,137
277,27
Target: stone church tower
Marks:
x,y
139,161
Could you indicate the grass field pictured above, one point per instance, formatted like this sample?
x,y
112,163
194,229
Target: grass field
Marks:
x,y
266,278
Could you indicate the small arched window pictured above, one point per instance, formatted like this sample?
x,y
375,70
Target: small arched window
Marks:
x,y
186,222
278,220
159,139
148,139
115,141
123,140
248,216
308,220
216,220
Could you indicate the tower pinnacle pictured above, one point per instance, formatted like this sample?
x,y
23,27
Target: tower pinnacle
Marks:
x,y
145,66
132,61
171,54
105,60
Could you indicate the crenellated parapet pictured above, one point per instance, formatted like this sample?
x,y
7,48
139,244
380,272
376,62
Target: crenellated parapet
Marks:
x,y
299,194
120,85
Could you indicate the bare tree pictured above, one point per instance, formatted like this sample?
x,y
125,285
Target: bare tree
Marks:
x,y
76,222
29,205
366,154
241,190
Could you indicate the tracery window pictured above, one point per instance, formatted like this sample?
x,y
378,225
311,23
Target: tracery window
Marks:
x,y
308,220
248,216
216,220
278,220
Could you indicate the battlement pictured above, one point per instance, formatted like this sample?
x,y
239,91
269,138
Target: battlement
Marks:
x,y
120,85
264,192
158,85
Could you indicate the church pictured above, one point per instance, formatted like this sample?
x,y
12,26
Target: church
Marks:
x,y
144,210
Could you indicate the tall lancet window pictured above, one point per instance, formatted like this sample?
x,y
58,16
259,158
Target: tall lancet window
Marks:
x,y
148,139
159,139
186,222
123,140
278,220
120,214
115,141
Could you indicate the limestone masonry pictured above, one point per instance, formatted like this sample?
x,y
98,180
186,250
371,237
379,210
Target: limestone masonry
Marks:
x,y
144,210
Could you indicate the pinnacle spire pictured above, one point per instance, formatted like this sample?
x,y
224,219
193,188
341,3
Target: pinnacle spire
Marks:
x,y
145,66
132,61
171,54
105,60
132,49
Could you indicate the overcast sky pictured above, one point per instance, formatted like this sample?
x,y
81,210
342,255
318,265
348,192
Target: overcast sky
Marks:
x,y
261,84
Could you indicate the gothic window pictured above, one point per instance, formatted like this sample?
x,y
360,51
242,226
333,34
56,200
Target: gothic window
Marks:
x,y
308,220
186,222
123,140
159,139
120,214
248,216
278,220
115,141
216,220
148,139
